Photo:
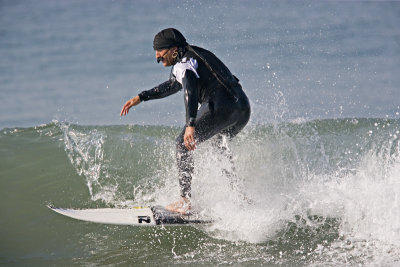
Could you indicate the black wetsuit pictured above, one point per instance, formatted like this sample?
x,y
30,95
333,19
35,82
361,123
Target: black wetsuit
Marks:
x,y
224,107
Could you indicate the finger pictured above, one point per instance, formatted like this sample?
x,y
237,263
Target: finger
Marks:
x,y
191,142
187,145
194,145
123,109
190,145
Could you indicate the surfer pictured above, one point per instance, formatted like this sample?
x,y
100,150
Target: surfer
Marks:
x,y
224,107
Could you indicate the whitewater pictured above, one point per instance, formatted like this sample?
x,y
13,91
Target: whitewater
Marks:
x,y
323,192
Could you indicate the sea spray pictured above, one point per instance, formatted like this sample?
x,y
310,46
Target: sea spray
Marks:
x,y
335,169
323,191
86,153
121,165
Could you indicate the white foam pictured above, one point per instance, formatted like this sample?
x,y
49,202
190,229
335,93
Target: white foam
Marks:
x,y
85,150
364,199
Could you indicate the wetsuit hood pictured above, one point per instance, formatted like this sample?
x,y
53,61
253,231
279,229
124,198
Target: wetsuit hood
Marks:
x,y
168,38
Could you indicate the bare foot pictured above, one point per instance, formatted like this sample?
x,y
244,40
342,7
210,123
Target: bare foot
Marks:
x,y
182,206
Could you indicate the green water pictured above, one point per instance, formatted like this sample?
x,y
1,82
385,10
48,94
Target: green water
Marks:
x,y
319,188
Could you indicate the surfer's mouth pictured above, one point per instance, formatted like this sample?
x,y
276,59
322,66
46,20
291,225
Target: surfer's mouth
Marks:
x,y
161,58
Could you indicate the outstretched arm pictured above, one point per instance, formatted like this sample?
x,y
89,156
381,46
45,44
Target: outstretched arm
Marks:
x,y
163,90
130,103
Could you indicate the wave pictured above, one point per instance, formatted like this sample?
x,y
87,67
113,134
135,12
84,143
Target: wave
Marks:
x,y
321,191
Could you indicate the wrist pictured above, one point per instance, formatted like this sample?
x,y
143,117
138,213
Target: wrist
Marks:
x,y
191,122
143,97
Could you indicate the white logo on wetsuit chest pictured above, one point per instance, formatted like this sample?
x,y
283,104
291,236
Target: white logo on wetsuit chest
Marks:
x,y
180,68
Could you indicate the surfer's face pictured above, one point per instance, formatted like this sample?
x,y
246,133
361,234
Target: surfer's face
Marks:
x,y
166,56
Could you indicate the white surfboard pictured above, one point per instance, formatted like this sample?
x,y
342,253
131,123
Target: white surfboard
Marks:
x,y
139,216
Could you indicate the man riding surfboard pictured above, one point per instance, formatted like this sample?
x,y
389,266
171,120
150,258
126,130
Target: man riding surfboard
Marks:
x,y
224,107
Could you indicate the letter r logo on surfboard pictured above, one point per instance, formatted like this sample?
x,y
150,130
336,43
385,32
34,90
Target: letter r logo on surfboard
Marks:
x,y
142,219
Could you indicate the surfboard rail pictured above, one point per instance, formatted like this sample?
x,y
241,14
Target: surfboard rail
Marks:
x,y
138,216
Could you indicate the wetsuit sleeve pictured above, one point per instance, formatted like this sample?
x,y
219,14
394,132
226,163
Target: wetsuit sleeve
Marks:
x,y
163,90
189,82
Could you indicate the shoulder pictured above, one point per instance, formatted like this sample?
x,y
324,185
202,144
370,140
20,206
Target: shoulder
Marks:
x,y
187,63
183,65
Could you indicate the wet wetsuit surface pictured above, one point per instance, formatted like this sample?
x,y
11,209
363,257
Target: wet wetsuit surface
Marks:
x,y
224,107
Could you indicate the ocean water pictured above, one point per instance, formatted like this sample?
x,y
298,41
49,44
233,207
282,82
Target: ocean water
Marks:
x,y
325,192
320,158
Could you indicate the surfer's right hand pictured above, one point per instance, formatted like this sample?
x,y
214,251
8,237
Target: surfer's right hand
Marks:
x,y
130,103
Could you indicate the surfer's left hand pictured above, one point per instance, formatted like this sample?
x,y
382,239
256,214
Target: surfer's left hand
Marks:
x,y
188,138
